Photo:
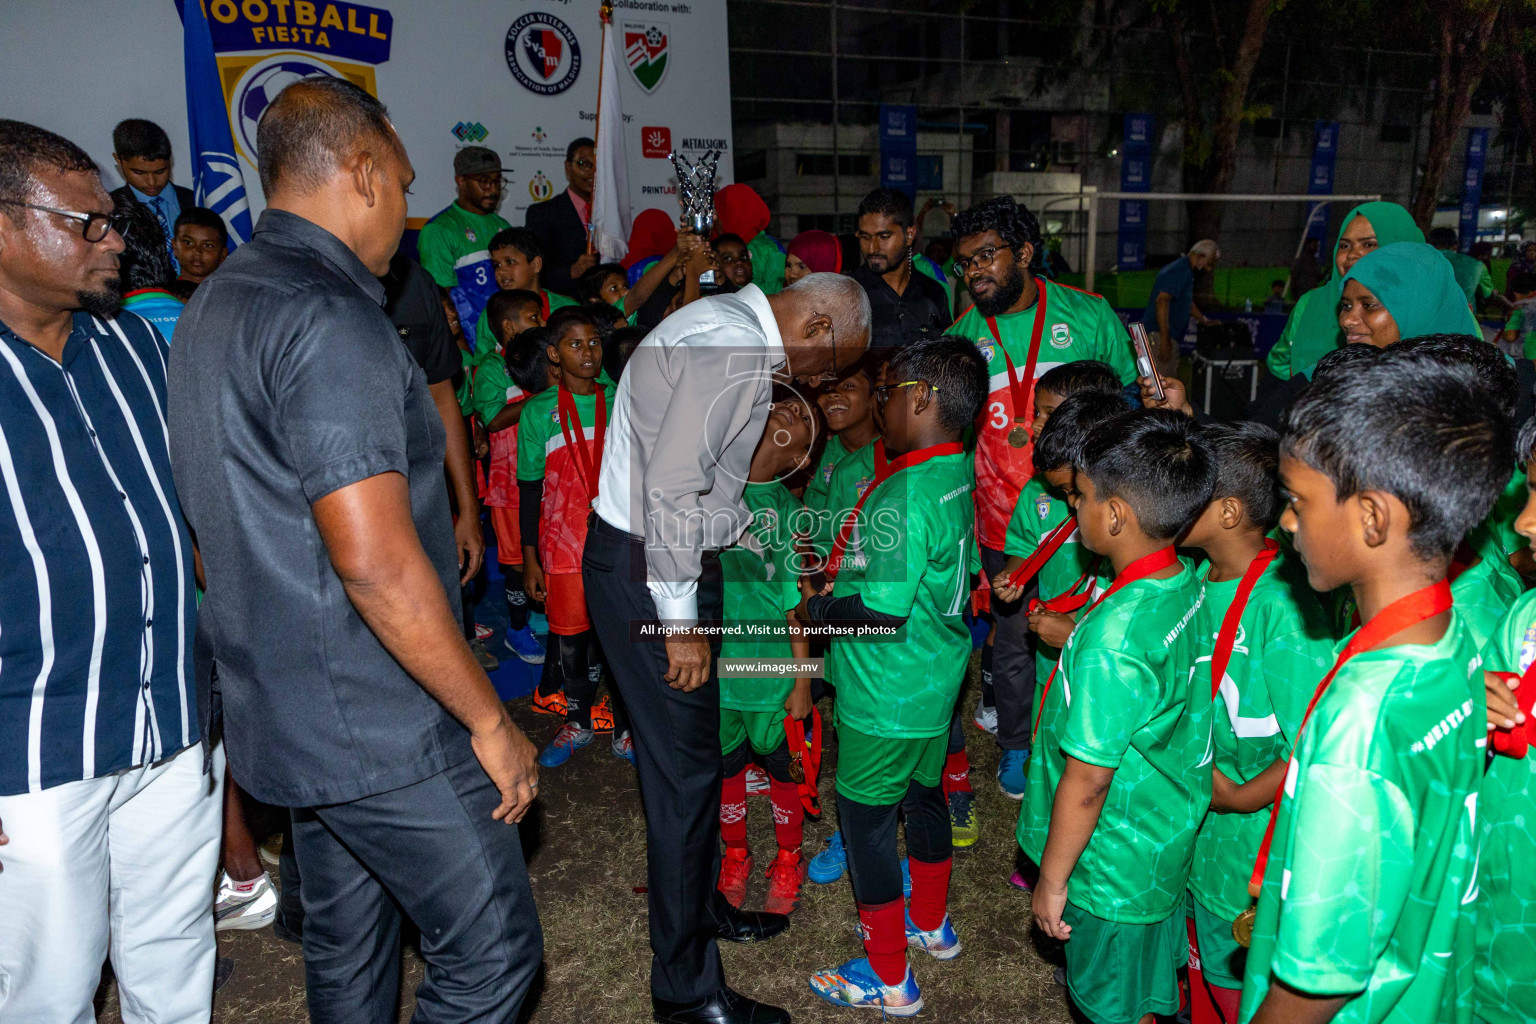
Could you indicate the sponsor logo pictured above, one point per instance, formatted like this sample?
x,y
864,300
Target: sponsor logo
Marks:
x,y
705,144
539,188
542,54
469,131
1061,336
658,190
259,86
645,51
655,143
539,134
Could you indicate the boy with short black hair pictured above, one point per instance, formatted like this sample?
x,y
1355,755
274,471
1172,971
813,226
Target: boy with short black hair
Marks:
x,y
499,403
200,241
1060,383
849,407
1262,640
1361,915
517,261
904,564
762,589
1123,730
607,283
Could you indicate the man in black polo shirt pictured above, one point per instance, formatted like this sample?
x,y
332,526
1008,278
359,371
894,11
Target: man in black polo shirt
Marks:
x,y
907,306
310,456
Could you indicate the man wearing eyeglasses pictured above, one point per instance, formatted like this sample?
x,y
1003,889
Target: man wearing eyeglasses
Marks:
x,y
1024,326
453,245
110,815
561,223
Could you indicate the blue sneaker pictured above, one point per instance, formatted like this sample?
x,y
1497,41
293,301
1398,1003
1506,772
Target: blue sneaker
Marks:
x,y
942,943
855,983
906,878
623,745
567,741
525,645
1010,773
538,622
828,865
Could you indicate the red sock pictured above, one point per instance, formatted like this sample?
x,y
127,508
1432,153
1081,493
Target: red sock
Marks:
x,y
788,817
957,773
930,892
1208,1004
885,940
733,810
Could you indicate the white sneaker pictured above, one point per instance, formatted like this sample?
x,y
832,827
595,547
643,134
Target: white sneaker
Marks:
x,y
985,718
757,781
238,908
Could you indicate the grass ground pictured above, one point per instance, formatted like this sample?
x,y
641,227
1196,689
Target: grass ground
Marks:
x,y
586,846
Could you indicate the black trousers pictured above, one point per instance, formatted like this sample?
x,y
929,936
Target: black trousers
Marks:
x,y
432,850
677,747
869,835
1013,659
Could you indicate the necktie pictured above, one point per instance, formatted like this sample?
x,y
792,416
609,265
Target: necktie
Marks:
x,y
165,229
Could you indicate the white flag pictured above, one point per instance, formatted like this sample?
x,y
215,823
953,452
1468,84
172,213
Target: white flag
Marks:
x,y
610,188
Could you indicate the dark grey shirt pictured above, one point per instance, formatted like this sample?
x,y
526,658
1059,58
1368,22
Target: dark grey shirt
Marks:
x,y
287,383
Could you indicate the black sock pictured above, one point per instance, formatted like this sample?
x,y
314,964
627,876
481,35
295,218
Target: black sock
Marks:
x,y
517,598
988,697
581,676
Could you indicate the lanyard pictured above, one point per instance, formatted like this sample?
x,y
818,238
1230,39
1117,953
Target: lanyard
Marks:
x,y
1228,634
1069,600
1516,742
1023,396
587,462
1140,569
883,471
1048,547
1393,619
805,758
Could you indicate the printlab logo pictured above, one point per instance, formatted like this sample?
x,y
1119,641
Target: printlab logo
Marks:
x,y
645,51
539,188
470,131
655,142
259,86
539,134
542,54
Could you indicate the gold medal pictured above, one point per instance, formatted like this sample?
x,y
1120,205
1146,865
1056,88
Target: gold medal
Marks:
x,y
796,768
1018,437
1242,928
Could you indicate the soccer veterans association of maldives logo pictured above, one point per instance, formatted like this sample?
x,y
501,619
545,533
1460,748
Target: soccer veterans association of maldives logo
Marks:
x,y
645,51
542,54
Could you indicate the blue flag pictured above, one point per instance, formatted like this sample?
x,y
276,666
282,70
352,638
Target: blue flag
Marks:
x,y
216,177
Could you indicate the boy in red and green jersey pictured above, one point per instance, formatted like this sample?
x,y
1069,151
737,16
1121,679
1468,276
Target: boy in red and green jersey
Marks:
x,y
516,261
761,589
906,571
1363,911
1121,772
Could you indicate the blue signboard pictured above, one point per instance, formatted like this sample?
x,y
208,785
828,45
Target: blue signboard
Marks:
x,y
898,147
1472,185
1135,176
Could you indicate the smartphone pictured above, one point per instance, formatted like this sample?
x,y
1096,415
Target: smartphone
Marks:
x,y
1144,364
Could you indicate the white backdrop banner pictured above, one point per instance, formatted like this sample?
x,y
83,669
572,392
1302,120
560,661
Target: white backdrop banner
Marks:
x,y
517,76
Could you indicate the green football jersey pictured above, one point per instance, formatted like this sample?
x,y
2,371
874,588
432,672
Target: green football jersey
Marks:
x,y
1505,909
1283,648
760,586
1373,860
1123,698
1039,511
848,481
1483,595
819,486
485,339
911,555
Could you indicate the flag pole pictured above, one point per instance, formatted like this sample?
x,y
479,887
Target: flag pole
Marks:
x,y
605,14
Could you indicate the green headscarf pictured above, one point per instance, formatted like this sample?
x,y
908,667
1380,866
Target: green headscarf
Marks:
x,y
1417,285
1313,329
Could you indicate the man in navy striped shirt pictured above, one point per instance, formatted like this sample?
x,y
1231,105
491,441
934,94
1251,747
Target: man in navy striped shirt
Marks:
x,y
109,822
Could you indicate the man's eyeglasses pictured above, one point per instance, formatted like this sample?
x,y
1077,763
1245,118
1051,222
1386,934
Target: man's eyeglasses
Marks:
x,y
981,259
883,391
94,226
583,163
487,181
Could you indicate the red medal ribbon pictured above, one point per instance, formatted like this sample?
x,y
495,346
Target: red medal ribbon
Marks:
x,y
1228,634
883,472
587,463
1393,619
1517,742
1048,547
1023,397
1140,569
809,748
1069,600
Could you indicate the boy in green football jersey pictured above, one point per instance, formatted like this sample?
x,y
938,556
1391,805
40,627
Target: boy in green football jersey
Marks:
x,y
849,408
1272,639
761,591
517,261
1505,987
904,577
1362,915
1123,734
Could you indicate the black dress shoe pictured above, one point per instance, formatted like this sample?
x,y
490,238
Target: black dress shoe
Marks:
x,y
722,1007
750,925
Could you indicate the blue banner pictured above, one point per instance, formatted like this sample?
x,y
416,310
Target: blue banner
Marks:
x,y
216,178
1325,155
339,29
1135,176
898,147
1472,186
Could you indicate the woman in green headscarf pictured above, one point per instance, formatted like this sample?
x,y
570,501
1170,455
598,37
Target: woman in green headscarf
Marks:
x,y
1403,290
1313,328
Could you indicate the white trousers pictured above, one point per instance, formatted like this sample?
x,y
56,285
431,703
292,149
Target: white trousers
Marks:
x,y
120,866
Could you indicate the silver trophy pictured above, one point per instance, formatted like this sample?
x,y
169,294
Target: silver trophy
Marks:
x,y
696,195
